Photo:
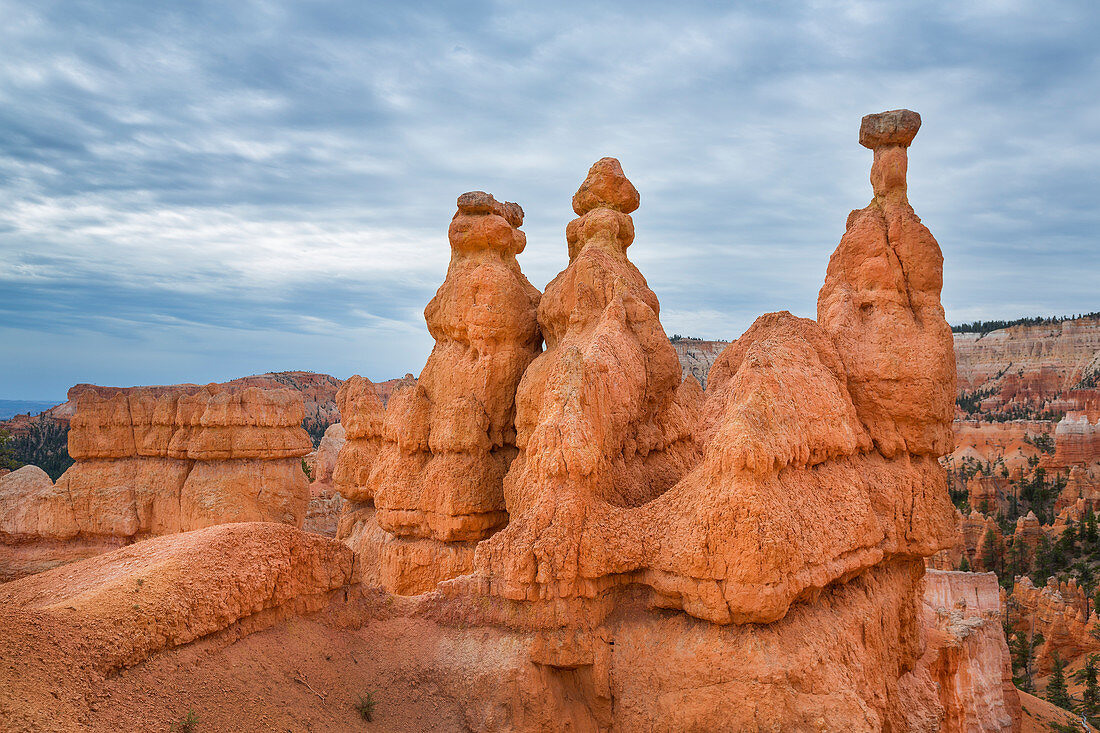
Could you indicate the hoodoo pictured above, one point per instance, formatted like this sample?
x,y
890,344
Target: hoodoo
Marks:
x,y
447,441
580,539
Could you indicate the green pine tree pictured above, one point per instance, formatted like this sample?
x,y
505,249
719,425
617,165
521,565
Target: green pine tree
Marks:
x,y
7,452
1022,651
989,553
1057,692
1086,580
1043,562
1090,694
964,564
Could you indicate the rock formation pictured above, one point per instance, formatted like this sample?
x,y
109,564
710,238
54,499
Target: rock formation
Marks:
x,y
322,461
1077,440
1058,612
447,442
1028,534
629,552
823,437
697,356
361,412
150,463
91,619
970,534
1027,368
325,502
968,655
1081,486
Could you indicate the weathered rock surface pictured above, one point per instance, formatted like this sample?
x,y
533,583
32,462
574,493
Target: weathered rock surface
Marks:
x,y
1077,440
325,502
970,533
1029,369
31,507
1007,444
967,653
159,462
362,414
801,471
83,622
436,482
1058,612
697,356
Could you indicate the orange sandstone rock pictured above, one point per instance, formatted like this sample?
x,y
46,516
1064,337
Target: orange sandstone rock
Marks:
x,y
75,625
968,655
786,431
603,422
880,304
361,413
322,461
1058,612
448,440
32,507
159,462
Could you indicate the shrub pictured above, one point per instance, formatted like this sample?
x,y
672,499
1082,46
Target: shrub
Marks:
x,y
188,724
365,706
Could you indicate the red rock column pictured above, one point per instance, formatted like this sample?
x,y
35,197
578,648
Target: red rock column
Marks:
x,y
448,440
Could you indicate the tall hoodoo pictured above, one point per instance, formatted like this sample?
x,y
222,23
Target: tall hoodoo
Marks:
x,y
881,306
804,475
361,415
447,442
601,418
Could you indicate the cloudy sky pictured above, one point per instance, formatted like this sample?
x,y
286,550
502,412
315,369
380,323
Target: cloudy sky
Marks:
x,y
197,191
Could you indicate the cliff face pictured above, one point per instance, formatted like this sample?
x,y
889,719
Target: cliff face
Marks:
x,y
1031,365
159,461
967,653
697,356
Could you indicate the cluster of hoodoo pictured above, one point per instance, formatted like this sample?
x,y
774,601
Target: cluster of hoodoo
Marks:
x,y
801,492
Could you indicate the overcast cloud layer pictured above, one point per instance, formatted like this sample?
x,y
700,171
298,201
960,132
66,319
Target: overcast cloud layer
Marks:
x,y
206,190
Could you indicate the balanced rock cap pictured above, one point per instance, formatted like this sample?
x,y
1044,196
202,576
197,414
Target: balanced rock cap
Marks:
x,y
606,187
479,202
896,127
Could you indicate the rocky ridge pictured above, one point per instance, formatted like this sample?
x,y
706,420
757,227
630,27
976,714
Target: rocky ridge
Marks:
x,y
153,462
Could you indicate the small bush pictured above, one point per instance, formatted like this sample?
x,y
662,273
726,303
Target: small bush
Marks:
x,y
188,724
306,470
365,707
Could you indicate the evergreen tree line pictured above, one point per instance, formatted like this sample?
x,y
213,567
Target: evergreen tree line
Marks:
x,y
45,444
984,327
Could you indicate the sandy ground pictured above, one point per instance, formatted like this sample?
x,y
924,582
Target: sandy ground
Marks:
x,y
300,675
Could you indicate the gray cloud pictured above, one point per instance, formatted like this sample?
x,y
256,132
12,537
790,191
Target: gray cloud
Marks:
x,y
205,190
